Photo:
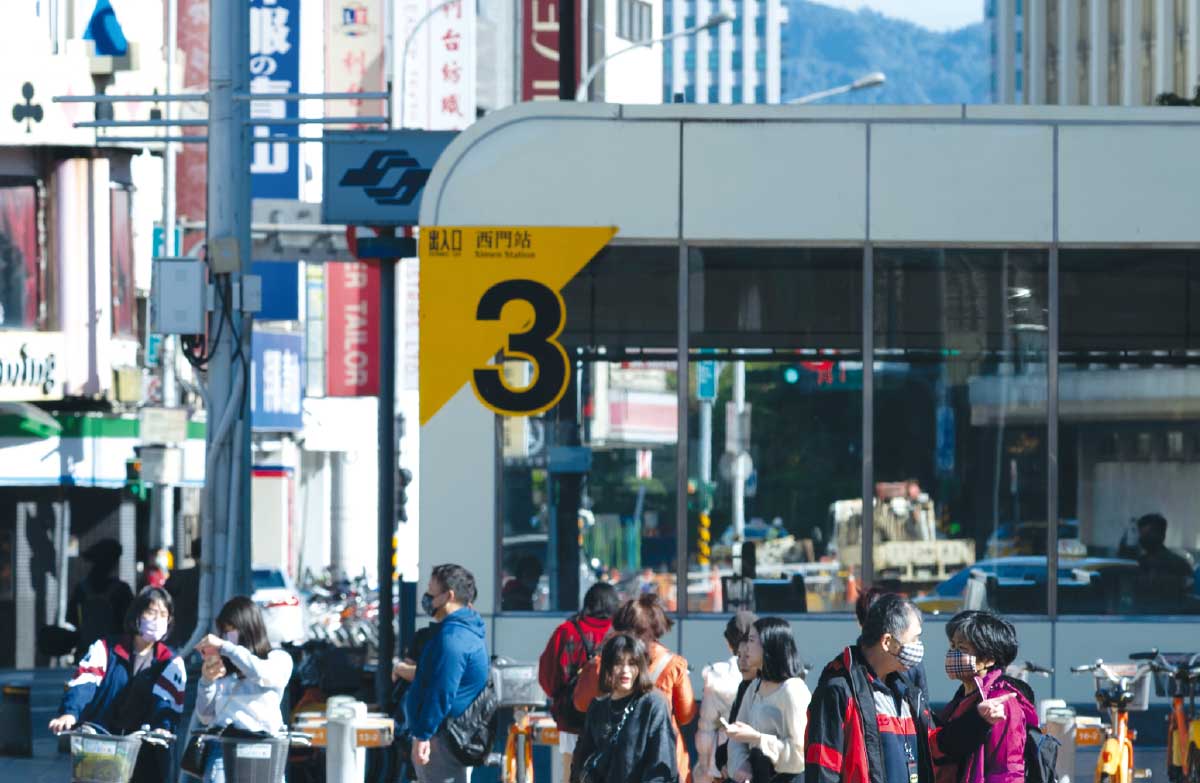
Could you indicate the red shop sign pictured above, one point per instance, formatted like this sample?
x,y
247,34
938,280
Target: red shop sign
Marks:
x,y
352,323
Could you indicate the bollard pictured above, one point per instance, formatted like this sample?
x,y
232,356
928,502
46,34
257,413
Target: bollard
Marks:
x,y
345,762
16,731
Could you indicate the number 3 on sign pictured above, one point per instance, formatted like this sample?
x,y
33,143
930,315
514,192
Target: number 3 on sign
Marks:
x,y
537,345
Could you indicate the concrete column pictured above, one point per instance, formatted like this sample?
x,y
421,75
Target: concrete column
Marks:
x,y
1035,44
1005,51
1068,52
1164,46
339,534
1131,52
703,42
1099,53
1191,67
773,43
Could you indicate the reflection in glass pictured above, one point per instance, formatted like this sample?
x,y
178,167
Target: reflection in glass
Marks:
x,y
960,420
1129,398
775,425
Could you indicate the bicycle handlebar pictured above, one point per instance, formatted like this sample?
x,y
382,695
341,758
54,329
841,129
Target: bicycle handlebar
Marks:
x,y
1033,668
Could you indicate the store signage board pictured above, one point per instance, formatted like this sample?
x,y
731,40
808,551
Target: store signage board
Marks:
x,y
497,290
30,368
376,179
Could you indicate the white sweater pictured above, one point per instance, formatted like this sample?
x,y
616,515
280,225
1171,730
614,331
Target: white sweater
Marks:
x,y
780,718
721,681
250,702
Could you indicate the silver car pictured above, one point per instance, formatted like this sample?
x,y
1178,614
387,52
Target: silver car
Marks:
x,y
282,609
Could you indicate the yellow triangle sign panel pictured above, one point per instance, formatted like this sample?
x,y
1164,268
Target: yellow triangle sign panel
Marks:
x,y
487,290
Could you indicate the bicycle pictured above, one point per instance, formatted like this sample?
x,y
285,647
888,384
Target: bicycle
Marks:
x,y
1120,689
100,757
1180,675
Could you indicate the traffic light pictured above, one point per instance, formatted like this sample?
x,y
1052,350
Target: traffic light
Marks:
x,y
403,479
133,479
791,374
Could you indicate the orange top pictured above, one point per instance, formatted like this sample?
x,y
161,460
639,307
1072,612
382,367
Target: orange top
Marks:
x,y
674,683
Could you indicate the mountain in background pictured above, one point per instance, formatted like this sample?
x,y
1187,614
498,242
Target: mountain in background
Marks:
x,y
824,47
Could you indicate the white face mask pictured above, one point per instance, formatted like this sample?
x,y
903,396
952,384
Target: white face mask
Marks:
x,y
230,636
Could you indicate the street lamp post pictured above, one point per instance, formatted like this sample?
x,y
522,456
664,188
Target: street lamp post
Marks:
x,y
404,57
874,79
716,20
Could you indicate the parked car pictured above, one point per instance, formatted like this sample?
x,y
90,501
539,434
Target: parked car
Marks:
x,y
1029,538
1015,572
282,609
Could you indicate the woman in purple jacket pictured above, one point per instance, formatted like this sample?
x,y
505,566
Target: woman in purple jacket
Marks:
x,y
981,646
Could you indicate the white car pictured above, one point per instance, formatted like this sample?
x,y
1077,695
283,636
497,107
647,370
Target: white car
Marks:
x,y
282,609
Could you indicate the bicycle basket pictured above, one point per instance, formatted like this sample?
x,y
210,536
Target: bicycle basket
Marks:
x,y
101,758
1139,684
254,759
517,685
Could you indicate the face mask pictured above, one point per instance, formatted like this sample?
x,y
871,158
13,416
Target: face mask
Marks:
x,y
959,665
911,654
427,604
152,629
230,636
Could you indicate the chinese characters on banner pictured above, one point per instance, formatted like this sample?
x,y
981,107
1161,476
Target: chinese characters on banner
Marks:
x,y
277,381
539,48
274,68
439,79
352,329
354,60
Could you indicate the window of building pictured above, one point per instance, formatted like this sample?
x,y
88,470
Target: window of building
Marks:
x,y
960,390
1129,437
589,488
760,94
775,421
20,265
713,97
635,20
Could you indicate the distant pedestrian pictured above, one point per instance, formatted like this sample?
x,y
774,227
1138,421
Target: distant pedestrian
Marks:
x,y
99,602
451,673
646,619
766,742
721,683
129,680
243,679
628,735
571,646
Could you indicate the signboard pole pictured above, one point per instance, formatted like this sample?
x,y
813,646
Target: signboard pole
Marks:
x,y
387,469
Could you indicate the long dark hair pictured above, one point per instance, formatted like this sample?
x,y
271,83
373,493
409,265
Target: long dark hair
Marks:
x,y
243,615
616,648
781,659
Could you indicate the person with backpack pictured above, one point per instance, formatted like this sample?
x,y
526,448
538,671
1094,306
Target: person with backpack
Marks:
x,y
129,680
982,644
722,681
645,618
452,673
570,648
628,735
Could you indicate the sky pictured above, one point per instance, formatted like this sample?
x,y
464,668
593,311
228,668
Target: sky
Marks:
x,y
937,15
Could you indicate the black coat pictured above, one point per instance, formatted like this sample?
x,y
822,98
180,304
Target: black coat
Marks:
x,y
645,750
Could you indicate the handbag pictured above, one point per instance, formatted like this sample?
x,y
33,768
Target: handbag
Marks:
x,y
594,768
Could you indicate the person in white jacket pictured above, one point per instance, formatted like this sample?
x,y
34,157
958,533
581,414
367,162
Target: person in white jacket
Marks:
x,y
242,680
721,681
766,743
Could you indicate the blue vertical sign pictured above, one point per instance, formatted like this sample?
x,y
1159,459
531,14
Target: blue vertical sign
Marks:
x,y
277,390
275,165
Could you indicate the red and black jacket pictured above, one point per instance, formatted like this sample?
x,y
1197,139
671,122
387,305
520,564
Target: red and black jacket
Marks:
x,y
843,742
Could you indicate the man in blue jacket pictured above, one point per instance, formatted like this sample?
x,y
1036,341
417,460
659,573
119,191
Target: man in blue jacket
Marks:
x,y
451,673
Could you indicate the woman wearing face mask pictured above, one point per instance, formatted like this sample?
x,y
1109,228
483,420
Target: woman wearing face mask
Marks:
x,y
627,735
243,679
766,742
981,646
130,680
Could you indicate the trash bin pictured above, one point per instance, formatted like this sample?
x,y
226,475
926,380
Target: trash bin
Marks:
x,y
16,730
254,760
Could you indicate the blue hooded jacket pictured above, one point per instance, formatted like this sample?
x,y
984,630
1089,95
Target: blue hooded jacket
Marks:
x,y
453,670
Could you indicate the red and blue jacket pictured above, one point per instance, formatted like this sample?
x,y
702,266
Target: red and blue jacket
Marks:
x,y
105,691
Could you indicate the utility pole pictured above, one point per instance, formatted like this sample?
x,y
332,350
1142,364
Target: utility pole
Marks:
x,y
227,557
568,49
386,521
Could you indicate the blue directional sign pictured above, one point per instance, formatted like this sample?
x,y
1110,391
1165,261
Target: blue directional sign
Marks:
x,y
376,179
277,378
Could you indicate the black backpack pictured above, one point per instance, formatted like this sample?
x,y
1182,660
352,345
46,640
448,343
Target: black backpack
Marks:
x,y
568,718
1041,750
471,735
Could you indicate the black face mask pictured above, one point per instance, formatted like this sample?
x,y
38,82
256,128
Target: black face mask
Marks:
x,y
427,604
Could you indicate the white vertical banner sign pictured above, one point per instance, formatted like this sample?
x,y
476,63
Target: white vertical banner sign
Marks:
x,y
438,79
354,59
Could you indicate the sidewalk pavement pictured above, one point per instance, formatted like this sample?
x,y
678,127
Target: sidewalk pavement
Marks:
x,y
45,692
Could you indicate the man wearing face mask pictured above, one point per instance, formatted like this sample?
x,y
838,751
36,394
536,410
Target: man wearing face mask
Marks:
x,y
451,673
865,723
